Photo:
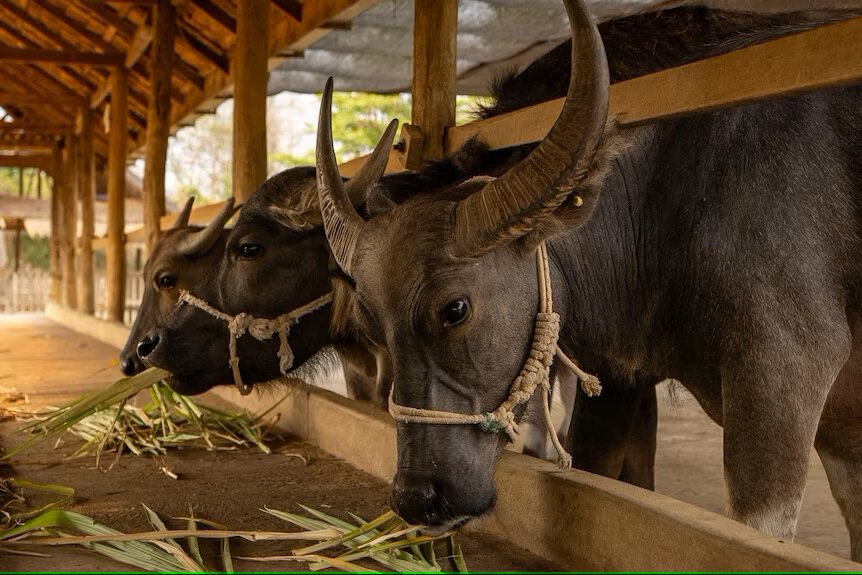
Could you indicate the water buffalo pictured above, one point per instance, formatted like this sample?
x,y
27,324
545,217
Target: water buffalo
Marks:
x,y
721,250
179,260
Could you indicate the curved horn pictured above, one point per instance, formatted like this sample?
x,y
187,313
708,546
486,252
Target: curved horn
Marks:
x,y
183,218
200,242
508,207
372,170
340,220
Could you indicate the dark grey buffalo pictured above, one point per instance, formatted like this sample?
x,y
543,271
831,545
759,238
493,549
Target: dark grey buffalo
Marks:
x,y
722,250
180,258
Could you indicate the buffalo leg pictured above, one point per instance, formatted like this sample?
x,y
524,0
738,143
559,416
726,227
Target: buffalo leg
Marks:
x,y
771,410
839,445
639,463
602,428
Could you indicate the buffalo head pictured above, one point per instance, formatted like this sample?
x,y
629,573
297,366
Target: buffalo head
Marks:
x,y
276,260
179,260
447,282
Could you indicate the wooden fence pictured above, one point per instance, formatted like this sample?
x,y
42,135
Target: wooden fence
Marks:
x,y
24,290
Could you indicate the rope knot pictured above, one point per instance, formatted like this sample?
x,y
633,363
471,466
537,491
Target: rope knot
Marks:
x,y
260,328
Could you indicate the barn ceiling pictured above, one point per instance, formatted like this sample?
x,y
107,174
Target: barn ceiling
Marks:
x,y
57,54
375,53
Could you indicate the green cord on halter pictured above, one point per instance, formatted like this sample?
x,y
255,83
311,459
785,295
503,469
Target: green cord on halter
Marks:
x,y
534,374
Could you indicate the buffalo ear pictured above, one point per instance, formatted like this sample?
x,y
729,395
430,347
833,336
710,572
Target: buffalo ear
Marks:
x,y
379,200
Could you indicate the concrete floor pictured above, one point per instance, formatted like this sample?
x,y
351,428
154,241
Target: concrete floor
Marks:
x,y
51,364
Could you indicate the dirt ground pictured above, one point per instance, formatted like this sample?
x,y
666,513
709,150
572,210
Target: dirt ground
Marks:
x,y
49,363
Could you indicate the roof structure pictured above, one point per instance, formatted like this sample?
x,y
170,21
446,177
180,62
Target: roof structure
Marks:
x,y
56,54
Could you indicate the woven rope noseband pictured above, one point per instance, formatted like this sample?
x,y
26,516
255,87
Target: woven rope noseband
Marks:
x,y
535,373
259,328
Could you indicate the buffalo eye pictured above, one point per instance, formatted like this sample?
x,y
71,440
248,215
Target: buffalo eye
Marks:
x,y
455,312
250,251
166,281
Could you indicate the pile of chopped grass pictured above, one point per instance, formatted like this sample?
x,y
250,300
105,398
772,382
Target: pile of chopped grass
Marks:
x,y
108,421
386,540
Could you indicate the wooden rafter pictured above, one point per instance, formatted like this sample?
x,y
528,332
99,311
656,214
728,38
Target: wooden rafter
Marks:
x,y
292,7
213,11
128,31
37,99
187,36
60,14
27,55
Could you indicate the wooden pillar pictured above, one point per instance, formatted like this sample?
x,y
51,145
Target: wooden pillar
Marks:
x,y
249,107
17,247
435,30
116,250
87,200
39,183
56,193
158,118
69,224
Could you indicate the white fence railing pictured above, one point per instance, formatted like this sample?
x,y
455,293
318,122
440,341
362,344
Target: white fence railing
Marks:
x,y
24,290
134,294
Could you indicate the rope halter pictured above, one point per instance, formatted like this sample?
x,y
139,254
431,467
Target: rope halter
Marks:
x,y
534,374
259,328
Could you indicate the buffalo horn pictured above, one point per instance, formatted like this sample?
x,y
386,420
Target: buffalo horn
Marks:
x,y
340,219
509,207
182,220
200,242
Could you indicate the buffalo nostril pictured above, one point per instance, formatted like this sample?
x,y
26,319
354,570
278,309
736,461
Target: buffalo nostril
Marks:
x,y
128,365
147,345
418,504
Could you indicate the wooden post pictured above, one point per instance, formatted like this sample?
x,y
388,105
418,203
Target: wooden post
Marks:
x,y
158,118
39,183
116,250
56,193
87,199
435,30
249,106
17,247
69,224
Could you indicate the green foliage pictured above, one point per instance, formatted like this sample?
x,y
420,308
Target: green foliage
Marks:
x,y
35,251
9,182
358,119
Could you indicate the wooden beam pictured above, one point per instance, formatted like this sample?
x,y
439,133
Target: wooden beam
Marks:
x,y
217,14
87,200
250,78
68,226
823,57
116,253
435,30
28,55
211,55
41,130
292,7
37,99
41,161
63,79
56,193
78,28
158,118
139,44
